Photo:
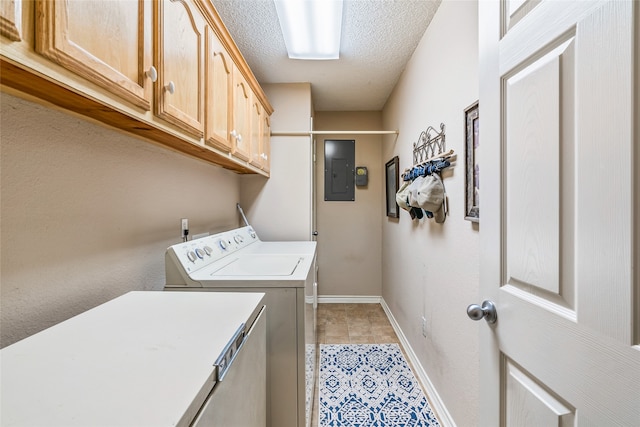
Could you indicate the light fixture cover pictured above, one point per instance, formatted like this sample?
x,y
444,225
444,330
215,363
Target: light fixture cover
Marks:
x,y
311,28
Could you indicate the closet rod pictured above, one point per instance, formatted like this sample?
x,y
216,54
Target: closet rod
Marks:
x,y
336,132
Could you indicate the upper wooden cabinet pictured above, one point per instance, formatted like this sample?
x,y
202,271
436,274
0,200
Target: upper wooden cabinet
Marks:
x,y
164,70
179,53
266,143
256,133
219,84
260,136
107,42
241,126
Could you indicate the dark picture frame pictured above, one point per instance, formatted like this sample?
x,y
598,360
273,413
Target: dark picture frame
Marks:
x,y
391,179
472,136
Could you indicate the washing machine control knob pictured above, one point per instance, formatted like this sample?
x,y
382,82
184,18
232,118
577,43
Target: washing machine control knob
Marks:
x,y
200,253
223,244
238,238
208,250
192,256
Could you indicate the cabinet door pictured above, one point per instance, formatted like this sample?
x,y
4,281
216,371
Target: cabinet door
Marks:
x,y
256,133
179,54
107,42
11,19
241,127
266,142
219,68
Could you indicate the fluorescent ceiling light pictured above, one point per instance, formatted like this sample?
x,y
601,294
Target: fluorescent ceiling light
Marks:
x,y
311,28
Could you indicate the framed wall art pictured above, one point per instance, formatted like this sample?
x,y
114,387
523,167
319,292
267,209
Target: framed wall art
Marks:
x,y
472,135
391,178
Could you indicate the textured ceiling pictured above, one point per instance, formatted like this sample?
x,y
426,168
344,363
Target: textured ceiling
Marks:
x,y
378,38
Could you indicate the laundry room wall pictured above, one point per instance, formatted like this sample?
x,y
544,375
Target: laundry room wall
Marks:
x,y
349,233
87,213
280,208
430,269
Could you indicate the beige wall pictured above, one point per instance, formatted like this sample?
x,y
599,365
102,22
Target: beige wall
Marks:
x,y
279,208
431,269
349,233
87,213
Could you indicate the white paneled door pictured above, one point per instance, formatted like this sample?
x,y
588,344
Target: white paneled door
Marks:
x,y
559,95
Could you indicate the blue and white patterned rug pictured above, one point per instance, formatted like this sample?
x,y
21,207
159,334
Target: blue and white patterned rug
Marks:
x,y
370,385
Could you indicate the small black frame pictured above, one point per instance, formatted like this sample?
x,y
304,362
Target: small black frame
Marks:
x,y
391,179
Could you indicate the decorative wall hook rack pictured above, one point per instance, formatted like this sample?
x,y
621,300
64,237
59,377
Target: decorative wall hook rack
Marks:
x,y
430,144
428,194
429,154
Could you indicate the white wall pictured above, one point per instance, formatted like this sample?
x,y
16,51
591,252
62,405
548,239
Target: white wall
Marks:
x,y
431,269
87,213
279,208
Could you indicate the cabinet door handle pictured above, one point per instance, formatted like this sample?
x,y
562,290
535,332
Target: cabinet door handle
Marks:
x,y
152,73
171,87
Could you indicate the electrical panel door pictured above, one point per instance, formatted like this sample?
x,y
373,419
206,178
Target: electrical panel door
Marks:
x,y
339,170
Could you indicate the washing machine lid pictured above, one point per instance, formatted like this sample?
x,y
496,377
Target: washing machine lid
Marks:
x,y
259,265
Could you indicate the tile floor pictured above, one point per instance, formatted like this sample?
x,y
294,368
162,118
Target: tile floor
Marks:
x,y
352,324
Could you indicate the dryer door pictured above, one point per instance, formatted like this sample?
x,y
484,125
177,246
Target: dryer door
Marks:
x,y
240,399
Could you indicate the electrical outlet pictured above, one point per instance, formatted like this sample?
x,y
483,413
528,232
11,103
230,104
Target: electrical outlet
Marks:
x,y
424,326
184,228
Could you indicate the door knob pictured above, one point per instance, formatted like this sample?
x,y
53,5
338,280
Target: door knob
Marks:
x,y
487,311
315,233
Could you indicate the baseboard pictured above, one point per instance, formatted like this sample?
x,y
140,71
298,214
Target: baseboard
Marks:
x,y
435,401
349,299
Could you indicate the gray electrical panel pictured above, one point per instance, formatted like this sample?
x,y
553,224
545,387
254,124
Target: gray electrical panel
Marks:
x,y
339,169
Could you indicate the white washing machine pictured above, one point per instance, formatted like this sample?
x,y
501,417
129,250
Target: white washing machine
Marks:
x,y
238,261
